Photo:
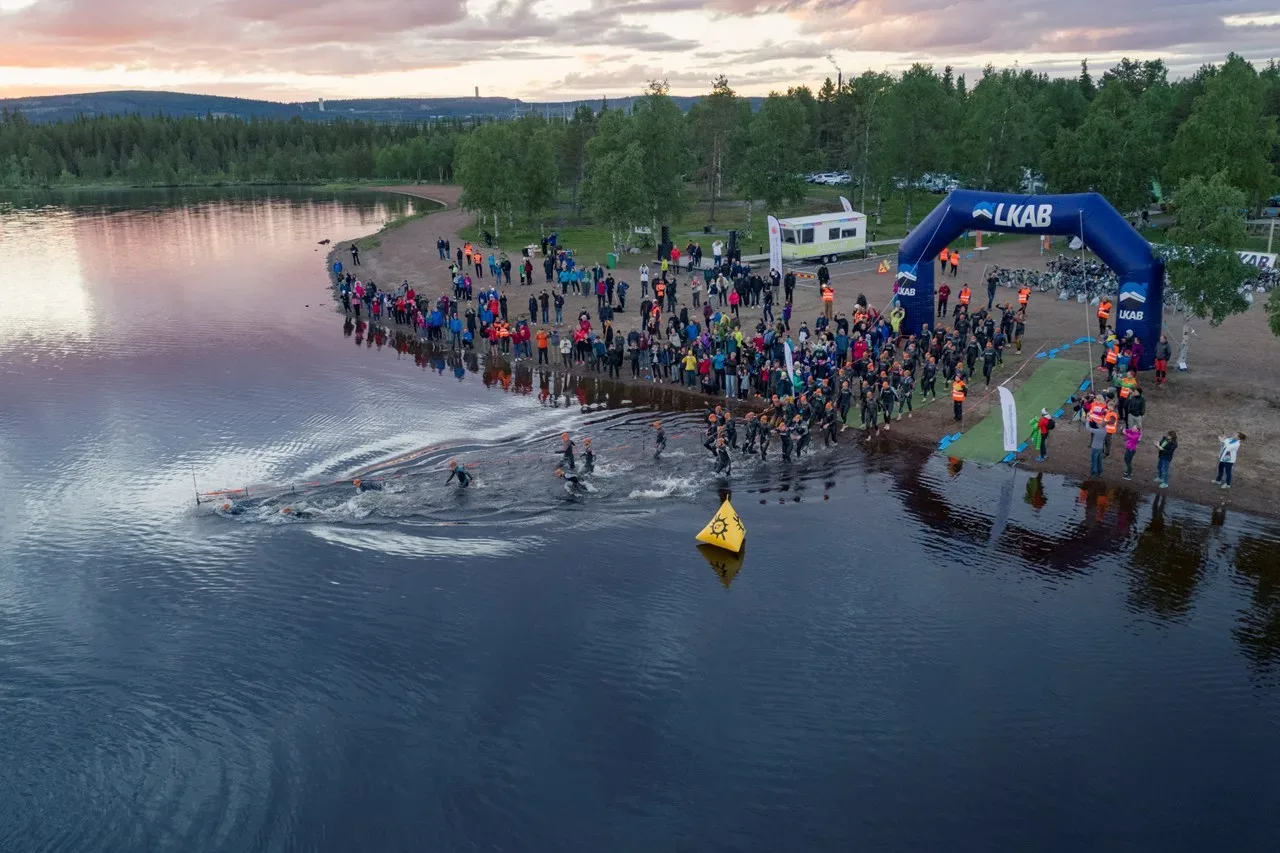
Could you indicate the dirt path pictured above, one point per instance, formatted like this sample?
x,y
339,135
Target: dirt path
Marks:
x,y
1233,384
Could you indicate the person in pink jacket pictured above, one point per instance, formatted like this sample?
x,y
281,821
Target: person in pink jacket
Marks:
x,y
1132,435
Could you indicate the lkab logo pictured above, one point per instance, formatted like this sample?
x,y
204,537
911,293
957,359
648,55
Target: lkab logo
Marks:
x,y
1014,215
1133,301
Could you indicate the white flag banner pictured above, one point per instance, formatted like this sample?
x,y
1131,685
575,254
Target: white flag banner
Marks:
x,y
791,369
848,208
775,245
1009,412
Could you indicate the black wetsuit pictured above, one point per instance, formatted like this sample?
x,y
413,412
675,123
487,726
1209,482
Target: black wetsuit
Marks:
x,y
463,478
749,440
574,485
567,452
731,433
723,461
709,442
588,461
659,443
766,436
369,487
832,426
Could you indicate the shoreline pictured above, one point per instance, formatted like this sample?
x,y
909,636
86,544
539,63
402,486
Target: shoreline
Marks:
x,y
410,254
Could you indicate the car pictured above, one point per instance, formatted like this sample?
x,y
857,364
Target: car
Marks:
x,y
1272,207
820,177
841,179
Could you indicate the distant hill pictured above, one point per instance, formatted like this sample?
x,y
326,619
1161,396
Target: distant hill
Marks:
x,y
47,108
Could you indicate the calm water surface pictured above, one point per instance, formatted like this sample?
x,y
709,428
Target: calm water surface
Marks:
x,y
908,658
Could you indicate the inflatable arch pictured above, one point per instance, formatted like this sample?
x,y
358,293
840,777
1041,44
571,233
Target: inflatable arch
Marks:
x,y
1087,215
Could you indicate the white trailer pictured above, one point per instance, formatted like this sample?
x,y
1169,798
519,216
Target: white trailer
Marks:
x,y
823,237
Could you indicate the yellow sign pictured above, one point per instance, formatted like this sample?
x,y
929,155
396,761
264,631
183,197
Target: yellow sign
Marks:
x,y
884,267
725,530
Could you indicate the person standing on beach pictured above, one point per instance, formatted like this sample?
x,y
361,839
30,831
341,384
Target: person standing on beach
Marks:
x,y
1043,426
1166,448
1229,448
1132,435
1097,449
355,255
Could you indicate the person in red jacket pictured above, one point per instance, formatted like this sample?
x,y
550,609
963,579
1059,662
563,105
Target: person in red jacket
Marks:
x,y
944,293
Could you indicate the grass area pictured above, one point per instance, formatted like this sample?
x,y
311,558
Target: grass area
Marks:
x,y
1053,381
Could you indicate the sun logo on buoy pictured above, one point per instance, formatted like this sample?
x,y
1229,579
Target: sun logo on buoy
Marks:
x,y
719,527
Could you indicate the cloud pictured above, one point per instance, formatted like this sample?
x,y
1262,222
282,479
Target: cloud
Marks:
x,y
532,47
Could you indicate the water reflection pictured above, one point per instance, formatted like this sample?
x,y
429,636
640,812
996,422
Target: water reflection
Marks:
x,y
1258,628
1167,564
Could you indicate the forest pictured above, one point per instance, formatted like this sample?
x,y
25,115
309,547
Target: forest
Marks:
x,y
162,151
1124,133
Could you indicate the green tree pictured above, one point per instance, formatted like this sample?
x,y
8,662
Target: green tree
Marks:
x,y
713,120
912,141
614,191
573,151
484,170
1228,129
998,138
536,168
774,165
1204,268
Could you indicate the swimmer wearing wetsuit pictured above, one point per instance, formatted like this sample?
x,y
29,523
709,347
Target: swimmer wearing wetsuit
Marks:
x,y
588,457
231,509
724,464
566,451
659,439
572,484
362,486
459,474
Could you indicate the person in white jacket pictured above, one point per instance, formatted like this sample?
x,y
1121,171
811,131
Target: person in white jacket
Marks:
x,y
1229,448
644,280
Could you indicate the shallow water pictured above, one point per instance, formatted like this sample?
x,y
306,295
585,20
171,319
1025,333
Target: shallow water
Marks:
x,y
908,657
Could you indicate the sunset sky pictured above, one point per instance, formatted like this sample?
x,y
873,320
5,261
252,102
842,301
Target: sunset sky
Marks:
x,y
550,49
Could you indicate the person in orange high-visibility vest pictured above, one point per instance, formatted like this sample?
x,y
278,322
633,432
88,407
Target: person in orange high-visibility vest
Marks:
x,y
958,391
962,300
955,263
1112,359
1112,422
1104,317
1024,293
828,301
1097,412
944,257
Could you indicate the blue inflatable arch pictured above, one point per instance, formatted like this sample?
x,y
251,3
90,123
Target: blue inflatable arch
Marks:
x,y
1087,215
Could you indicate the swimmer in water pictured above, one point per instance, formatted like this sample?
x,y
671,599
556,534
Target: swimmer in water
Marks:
x,y
566,451
572,484
659,440
459,474
362,486
724,464
231,509
294,513
588,457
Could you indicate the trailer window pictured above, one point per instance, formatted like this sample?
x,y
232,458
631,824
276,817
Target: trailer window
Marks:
x,y
849,232
833,233
806,235
788,235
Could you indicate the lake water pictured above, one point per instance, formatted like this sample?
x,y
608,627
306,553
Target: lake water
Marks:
x,y
909,657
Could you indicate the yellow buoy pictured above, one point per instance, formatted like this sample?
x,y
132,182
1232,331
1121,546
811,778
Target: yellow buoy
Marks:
x,y
725,530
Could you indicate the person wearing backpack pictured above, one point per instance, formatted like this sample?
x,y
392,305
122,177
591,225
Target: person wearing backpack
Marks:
x,y
1045,425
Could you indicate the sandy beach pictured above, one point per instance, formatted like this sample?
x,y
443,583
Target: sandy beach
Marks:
x,y
1233,384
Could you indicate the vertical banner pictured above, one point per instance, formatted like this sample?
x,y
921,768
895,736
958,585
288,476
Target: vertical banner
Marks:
x,y
791,370
848,208
1009,414
775,245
